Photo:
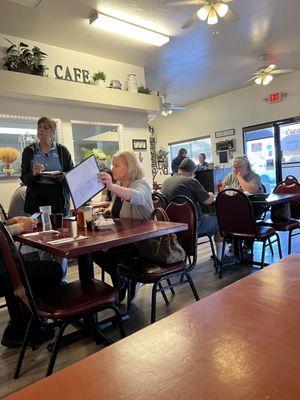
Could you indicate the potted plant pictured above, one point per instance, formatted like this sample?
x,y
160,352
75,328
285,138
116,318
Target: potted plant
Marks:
x,y
99,78
8,155
21,58
101,157
144,90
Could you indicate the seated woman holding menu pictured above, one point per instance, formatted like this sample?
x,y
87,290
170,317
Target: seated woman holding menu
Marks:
x,y
131,199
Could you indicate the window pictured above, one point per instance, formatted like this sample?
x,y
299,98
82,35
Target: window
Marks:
x,y
16,133
194,148
90,136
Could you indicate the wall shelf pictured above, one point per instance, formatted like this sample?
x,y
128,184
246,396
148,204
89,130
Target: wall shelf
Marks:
x,y
32,87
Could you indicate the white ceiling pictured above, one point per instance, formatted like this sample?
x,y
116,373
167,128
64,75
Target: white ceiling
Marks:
x,y
194,65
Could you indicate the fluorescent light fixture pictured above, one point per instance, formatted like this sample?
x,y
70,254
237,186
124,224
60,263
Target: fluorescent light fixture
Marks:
x,y
132,31
27,3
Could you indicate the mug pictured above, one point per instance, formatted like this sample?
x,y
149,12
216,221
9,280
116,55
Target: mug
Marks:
x,y
56,220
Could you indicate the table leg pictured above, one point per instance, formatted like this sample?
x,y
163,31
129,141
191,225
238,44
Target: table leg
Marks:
x,y
85,267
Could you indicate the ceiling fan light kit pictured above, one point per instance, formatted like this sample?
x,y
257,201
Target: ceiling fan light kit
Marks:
x,y
211,11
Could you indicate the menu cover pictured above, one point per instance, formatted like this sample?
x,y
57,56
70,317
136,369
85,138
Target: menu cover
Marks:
x,y
83,182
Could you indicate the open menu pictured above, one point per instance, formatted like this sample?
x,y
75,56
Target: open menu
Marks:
x,y
82,181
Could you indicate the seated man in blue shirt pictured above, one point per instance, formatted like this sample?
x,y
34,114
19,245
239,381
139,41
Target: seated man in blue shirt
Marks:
x,y
184,184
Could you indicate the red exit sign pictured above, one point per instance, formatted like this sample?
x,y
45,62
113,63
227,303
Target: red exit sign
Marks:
x,y
275,97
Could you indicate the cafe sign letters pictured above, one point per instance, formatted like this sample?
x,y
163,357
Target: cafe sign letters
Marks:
x,y
72,74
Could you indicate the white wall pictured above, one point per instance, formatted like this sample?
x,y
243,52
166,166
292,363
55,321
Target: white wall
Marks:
x,y
133,124
57,55
237,109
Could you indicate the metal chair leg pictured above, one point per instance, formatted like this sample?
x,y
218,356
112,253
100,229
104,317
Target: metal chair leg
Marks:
x,y
153,303
55,348
279,245
128,296
213,251
271,247
163,294
25,343
171,287
102,275
192,285
222,262
119,320
263,255
290,242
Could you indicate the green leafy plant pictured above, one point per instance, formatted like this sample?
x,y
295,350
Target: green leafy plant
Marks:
x,y
21,58
100,156
99,76
143,89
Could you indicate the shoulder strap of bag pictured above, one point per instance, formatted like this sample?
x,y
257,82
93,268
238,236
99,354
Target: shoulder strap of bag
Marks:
x,y
160,215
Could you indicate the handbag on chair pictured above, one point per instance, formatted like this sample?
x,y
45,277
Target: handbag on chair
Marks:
x,y
164,249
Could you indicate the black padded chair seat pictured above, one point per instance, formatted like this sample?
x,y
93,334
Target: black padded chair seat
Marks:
x,y
280,226
263,232
75,298
146,271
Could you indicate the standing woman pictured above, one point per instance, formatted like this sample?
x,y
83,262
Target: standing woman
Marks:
x,y
46,155
182,154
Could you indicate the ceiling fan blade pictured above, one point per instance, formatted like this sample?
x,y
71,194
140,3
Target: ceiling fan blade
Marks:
x,y
175,107
231,16
283,71
251,79
190,21
270,68
185,2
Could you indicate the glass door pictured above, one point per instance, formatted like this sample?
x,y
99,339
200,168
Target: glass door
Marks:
x,y
259,146
289,136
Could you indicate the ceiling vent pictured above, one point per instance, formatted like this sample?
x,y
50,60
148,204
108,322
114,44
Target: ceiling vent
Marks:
x,y
27,3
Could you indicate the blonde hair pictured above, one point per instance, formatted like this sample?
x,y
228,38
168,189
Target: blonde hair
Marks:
x,y
135,169
245,161
49,122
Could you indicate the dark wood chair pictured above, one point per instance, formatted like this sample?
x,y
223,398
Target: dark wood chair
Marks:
x,y
3,215
237,222
64,305
179,209
289,185
159,200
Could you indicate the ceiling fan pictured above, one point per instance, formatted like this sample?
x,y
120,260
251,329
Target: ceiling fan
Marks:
x,y
210,11
264,75
167,108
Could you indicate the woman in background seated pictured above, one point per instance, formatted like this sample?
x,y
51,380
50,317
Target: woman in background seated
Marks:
x,y
131,199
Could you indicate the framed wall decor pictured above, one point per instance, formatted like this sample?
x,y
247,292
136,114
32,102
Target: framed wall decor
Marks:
x,y
226,132
139,144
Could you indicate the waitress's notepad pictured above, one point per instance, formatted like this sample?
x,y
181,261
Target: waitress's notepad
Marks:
x,y
82,181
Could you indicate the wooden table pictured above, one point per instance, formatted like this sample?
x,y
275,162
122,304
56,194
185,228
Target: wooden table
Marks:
x,y
125,231
274,199
241,343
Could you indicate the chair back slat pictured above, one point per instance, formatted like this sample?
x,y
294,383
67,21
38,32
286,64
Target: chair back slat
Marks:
x,y
159,200
182,209
15,268
3,215
235,214
290,186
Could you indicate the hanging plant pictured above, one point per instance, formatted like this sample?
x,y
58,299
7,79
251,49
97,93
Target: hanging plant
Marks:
x,y
21,58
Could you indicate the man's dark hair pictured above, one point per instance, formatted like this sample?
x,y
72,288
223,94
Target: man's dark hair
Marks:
x,y
187,165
